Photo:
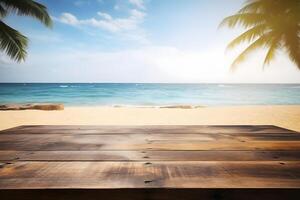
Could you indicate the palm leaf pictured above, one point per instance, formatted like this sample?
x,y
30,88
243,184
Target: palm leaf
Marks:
x,y
251,7
244,19
291,39
276,24
292,45
28,8
3,12
272,50
12,42
266,6
260,42
249,35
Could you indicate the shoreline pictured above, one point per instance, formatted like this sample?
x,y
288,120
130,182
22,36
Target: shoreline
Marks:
x,y
193,106
129,106
286,116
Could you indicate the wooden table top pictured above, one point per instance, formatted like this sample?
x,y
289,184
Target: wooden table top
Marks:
x,y
148,157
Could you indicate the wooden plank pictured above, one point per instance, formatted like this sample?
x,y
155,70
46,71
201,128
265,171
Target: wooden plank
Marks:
x,y
149,156
190,174
158,136
110,138
92,144
89,142
72,155
131,142
41,129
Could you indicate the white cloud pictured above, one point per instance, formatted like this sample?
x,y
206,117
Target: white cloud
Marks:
x,y
138,3
122,28
137,15
106,22
104,15
68,18
126,28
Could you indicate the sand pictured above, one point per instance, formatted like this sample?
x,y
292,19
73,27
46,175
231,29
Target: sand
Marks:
x,y
283,116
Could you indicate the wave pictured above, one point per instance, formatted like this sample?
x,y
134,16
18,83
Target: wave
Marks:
x,y
158,106
63,86
227,86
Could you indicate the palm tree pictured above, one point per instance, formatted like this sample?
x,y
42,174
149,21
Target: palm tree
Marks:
x,y
12,42
272,24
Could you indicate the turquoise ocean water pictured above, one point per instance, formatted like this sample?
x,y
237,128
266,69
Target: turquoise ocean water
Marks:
x,y
135,94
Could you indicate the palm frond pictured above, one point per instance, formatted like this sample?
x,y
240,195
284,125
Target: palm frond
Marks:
x,y
29,8
260,42
276,24
291,39
292,45
3,12
244,19
251,7
249,35
265,6
272,51
12,42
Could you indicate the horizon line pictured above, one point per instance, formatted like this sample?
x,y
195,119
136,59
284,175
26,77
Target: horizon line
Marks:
x,y
146,83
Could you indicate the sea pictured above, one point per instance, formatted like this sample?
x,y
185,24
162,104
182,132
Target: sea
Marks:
x,y
150,94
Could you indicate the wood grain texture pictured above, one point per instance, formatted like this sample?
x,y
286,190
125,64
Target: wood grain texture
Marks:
x,y
40,129
149,162
149,155
171,174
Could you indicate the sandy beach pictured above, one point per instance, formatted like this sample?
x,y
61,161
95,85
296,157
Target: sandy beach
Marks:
x,y
283,116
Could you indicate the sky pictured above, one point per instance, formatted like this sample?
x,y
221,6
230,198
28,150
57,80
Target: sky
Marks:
x,y
160,41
